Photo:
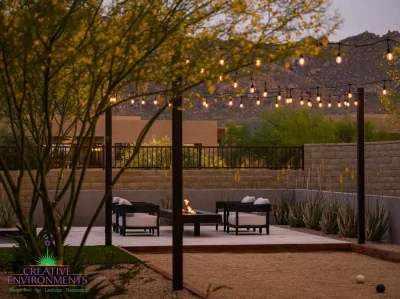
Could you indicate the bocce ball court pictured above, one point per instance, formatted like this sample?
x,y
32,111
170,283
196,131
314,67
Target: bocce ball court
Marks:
x,y
286,275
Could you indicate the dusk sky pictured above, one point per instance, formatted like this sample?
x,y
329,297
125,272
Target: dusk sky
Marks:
x,y
376,16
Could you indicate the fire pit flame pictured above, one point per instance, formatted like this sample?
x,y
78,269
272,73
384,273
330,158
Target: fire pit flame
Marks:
x,y
188,210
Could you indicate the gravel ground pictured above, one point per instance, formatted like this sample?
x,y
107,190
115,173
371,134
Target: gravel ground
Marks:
x,y
287,275
146,284
386,246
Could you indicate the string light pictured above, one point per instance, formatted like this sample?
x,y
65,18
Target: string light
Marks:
x,y
320,104
221,62
258,61
389,54
279,94
235,83
258,101
143,101
339,104
241,103
301,60
290,97
230,101
329,104
339,57
221,77
309,103
349,95
187,61
318,96
202,71
133,101
170,103
384,91
287,96
204,101
265,93
155,101
301,99
276,103
113,98
252,86
355,102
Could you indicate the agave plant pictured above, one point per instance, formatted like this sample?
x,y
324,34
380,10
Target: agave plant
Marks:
x,y
377,222
295,216
281,211
347,221
329,223
312,213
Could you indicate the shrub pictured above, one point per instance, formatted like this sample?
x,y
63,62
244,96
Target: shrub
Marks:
x,y
295,216
329,223
312,213
377,221
347,221
281,210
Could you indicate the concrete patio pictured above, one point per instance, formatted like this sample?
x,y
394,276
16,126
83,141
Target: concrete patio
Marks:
x,y
209,237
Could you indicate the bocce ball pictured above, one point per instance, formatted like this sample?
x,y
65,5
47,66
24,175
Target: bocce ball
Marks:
x,y
380,288
360,279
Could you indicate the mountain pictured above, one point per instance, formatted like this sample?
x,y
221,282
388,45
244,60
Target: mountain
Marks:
x,y
362,64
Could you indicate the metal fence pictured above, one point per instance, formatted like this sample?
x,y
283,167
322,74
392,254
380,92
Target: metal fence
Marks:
x,y
158,157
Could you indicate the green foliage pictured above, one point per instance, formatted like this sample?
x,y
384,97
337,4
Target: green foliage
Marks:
x,y
377,221
295,216
237,135
312,214
347,221
281,210
328,223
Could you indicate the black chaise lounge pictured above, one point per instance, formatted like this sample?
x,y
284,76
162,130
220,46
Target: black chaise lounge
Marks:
x,y
139,216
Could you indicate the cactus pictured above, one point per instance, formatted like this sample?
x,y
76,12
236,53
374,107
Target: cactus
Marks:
x,y
329,223
347,221
312,213
377,221
295,216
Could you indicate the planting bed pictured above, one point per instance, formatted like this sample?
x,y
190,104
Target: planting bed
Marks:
x,y
287,275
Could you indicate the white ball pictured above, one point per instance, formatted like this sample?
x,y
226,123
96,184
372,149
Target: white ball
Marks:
x,y
360,279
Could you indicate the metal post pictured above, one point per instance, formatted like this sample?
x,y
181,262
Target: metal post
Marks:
x,y
108,186
360,167
177,195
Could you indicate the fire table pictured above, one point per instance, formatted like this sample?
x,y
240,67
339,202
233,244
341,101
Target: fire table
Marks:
x,y
197,218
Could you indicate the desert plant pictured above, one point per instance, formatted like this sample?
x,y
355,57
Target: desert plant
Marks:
x,y
347,221
7,214
312,213
329,223
377,221
295,216
281,210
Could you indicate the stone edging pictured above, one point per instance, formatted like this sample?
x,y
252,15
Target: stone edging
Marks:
x,y
384,254
168,276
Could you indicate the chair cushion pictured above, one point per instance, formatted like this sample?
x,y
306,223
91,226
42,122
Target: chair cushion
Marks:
x,y
141,220
261,201
249,199
123,201
116,199
114,218
247,219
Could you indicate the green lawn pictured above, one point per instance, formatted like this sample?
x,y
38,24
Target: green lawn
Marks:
x,y
91,255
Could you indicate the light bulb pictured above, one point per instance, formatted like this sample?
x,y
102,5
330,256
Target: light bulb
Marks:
x,y
220,78
302,61
265,93
355,102
235,84
339,58
206,105
329,104
258,62
204,102
230,102
143,102
241,105
309,103
279,96
252,88
384,91
301,102
187,61
132,101
389,55
155,102
339,104
113,99
287,100
276,105
258,102
202,71
170,104
320,105
349,95
221,62
318,98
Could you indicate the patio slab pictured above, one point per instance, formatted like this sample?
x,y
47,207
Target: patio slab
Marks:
x,y
209,237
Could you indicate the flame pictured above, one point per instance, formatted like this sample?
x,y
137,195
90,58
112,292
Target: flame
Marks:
x,y
188,210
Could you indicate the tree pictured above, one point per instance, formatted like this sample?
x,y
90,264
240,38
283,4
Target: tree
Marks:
x,y
62,60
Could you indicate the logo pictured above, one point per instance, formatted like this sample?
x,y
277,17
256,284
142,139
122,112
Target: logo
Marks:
x,y
47,276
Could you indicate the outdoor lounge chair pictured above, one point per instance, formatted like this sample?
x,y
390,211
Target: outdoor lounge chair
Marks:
x,y
249,215
115,216
221,205
139,216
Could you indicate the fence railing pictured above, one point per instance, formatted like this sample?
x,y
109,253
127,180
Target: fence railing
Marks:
x,y
157,157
